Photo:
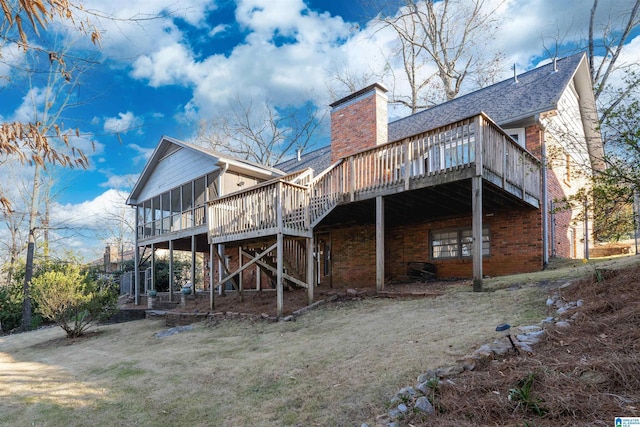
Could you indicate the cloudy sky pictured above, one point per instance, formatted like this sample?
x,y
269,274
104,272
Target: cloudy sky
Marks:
x,y
177,63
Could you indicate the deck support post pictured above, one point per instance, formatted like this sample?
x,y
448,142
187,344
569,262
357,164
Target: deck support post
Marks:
x,y
476,230
476,205
379,243
279,253
240,276
211,279
311,282
258,278
171,284
136,272
279,271
221,266
153,269
193,265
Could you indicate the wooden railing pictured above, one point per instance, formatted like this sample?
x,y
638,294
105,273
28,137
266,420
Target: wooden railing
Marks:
x,y
404,165
255,211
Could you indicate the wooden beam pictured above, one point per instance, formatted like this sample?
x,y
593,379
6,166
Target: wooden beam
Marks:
x,y
212,289
379,243
171,284
311,277
193,264
279,274
476,209
153,269
254,260
275,271
229,276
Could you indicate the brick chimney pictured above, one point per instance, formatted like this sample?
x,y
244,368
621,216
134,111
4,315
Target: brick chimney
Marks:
x,y
359,121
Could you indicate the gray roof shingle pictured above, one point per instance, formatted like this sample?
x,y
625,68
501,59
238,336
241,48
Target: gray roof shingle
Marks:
x,y
536,91
318,160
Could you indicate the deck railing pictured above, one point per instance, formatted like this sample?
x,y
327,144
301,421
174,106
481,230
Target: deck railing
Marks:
x,y
255,210
398,166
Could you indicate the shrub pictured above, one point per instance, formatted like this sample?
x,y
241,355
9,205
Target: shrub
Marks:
x,y
69,298
10,306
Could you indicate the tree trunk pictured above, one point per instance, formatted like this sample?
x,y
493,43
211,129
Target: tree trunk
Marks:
x,y
28,272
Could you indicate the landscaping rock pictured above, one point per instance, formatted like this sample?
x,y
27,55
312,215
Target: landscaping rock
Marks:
x,y
423,405
449,371
426,376
172,331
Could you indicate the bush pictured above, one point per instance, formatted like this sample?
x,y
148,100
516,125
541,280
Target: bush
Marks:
x,y
69,298
11,306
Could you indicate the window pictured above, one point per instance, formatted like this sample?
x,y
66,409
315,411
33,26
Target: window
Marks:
x,y
457,243
518,135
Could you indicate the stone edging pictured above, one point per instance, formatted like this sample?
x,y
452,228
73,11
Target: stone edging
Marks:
x,y
412,399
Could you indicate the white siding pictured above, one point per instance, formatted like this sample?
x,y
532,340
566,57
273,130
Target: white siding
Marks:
x,y
175,169
567,126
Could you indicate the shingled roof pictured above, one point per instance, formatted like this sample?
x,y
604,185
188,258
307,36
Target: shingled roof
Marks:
x,y
533,92
508,101
318,160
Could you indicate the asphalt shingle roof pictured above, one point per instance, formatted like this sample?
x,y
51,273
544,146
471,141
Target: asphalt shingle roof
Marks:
x,y
318,160
536,91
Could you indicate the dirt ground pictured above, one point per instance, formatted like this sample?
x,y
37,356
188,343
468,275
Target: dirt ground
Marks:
x,y
264,302
585,375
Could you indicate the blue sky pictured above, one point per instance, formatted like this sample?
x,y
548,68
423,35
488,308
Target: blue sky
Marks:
x,y
162,76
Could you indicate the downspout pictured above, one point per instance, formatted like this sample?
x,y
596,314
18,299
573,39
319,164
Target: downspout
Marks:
x,y
545,193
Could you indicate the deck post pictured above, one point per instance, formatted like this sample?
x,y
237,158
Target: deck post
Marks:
x,y
136,272
153,269
193,265
407,163
476,208
136,261
279,253
240,276
171,284
311,277
211,279
221,266
352,178
379,243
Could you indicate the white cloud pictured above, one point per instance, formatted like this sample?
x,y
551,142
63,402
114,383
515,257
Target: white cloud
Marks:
x,y
12,55
143,153
95,214
218,29
120,182
86,225
124,123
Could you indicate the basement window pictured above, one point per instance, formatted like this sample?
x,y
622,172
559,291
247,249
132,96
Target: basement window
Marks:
x,y
457,243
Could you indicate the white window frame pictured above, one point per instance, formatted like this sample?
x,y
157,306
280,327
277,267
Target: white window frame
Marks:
x,y
457,243
520,136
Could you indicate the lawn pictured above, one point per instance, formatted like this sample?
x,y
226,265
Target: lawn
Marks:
x,y
336,365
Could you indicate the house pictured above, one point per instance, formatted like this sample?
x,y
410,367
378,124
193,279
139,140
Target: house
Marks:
x,y
488,167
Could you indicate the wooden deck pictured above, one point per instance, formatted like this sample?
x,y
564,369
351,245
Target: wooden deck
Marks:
x,y
293,205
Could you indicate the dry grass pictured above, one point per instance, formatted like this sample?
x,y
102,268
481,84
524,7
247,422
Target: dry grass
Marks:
x,y
337,365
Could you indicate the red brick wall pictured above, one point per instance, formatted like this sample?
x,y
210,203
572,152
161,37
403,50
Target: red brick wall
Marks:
x,y
358,123
562,220
516,247
353,255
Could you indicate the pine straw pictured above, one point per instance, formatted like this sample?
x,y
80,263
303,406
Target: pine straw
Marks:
x,y
586,374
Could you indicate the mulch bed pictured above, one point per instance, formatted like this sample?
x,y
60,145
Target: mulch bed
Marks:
x,y
585,375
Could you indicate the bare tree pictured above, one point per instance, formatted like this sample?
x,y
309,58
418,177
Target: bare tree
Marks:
x,y
31,142
262,133
454,36
612,39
